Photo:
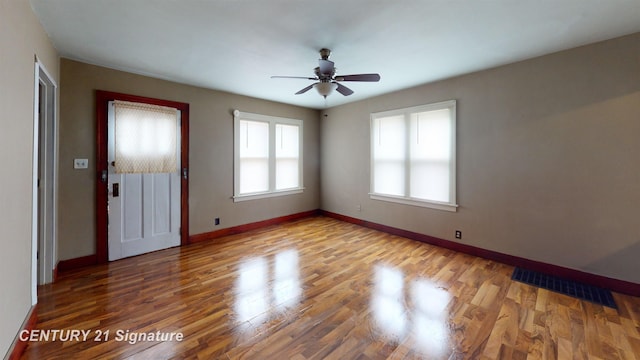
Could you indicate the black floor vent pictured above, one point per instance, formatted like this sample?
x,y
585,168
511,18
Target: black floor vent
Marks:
x,y
577,290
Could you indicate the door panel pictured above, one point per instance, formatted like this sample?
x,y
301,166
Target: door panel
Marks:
x,y
161,204
131,204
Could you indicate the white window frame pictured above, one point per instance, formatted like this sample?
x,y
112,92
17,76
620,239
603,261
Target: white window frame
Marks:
x,y
406,199
273,121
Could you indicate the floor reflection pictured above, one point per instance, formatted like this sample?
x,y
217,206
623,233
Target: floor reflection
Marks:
x,y
418,310
286,284
387,303
429,316
263,292
252,290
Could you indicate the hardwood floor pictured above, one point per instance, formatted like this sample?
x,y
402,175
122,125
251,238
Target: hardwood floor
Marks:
x,y
319,288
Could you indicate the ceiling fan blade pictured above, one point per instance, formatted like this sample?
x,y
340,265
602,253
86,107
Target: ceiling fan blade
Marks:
x,y
293,77
326,67
358,77
343,89
305,89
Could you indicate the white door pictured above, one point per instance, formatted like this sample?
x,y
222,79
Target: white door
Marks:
x,y
144,208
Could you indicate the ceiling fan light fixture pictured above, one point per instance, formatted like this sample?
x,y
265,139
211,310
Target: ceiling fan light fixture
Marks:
x,y
325,88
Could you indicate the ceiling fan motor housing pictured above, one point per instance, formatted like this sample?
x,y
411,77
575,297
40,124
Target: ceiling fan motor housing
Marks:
x,y
324,76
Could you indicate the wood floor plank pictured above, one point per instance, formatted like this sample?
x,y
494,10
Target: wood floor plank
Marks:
x,y
319,288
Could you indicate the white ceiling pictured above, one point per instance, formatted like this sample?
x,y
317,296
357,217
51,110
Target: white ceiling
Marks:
x,y
236,45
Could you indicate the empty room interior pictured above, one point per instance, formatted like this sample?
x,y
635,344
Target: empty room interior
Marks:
x,y
320,180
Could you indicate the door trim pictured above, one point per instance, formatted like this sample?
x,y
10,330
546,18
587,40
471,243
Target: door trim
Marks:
x,y
49,108
102,101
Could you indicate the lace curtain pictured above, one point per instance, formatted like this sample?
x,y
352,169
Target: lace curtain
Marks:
x,y
145,138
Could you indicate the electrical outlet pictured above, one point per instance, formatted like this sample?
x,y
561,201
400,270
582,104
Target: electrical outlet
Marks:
x,y
216,221
80,163
359,207
458,234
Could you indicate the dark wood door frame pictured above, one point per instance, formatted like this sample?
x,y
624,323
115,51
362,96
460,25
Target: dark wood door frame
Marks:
x,y
102,101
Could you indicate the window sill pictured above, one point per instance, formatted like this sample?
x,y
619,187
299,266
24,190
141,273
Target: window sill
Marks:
x,y
415,202
264,195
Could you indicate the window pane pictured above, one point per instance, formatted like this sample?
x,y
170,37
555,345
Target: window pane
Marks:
x,y
431,135
389,138
287,140
389,155
287,156
389,178
430,180
430,155
145,138
286,174
254,175
254,139
254,156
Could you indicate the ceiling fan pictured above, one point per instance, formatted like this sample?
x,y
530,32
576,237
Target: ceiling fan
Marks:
x,y
327,80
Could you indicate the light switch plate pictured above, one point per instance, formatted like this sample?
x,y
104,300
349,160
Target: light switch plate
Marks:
x,y
80,163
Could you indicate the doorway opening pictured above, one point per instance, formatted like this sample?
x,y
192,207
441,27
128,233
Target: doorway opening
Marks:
x,y
44,179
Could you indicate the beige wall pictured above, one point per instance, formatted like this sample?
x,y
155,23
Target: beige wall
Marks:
x,y
548,157
210,153
21,39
